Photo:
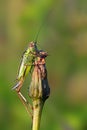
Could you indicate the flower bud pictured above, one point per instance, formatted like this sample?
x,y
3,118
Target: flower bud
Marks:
x,y
39,88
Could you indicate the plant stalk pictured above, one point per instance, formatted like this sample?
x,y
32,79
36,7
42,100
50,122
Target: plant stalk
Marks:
x,y
37,111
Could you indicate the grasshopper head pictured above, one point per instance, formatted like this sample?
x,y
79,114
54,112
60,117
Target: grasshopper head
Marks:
x,y
32,45
33,48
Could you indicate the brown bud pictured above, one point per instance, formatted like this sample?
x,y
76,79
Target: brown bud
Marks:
x,y
39,88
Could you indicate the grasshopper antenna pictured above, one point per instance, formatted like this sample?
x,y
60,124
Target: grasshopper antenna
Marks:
x,y
43,22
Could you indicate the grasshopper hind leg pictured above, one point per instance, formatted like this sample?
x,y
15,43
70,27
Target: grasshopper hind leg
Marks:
x,y
18,86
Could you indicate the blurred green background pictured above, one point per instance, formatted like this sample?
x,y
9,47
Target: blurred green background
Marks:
x,y
64,37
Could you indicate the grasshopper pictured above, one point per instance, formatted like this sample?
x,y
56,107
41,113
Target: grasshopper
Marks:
x,y
26,64
28,59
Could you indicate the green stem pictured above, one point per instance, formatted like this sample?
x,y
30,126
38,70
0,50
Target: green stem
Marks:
x,y
37,111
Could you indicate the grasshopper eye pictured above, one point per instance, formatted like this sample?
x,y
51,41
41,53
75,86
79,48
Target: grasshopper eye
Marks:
x,y
31,44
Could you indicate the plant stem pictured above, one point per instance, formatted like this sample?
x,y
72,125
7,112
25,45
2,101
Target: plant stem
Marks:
x,y
37,111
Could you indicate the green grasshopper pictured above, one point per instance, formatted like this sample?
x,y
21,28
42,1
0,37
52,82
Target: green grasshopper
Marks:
x,y
28,59
26,65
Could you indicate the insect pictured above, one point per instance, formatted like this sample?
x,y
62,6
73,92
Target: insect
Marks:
x,y
27,61
26,64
